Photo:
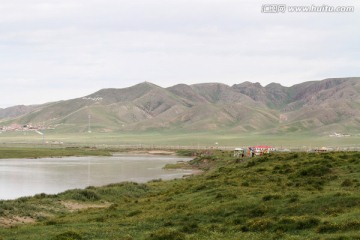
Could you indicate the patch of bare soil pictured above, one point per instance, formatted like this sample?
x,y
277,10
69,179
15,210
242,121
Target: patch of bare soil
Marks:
x,y
76,206
15,220
158,152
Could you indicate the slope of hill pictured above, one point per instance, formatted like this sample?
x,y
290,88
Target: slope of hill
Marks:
x,y
277,196
15,111
319,106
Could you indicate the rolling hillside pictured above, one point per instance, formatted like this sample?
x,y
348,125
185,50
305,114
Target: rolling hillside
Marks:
x,y
291,196
317,106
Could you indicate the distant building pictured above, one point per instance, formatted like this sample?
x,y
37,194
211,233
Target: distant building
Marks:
x,y
259,150
15,127
239,152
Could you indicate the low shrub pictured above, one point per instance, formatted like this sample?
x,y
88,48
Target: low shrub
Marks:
x,y
258,211
341,238
287,224
283,169
245,184
40,196
314,171
51,222
270,197
260,225
85,195
347,183
156,180
250,164
70,235
328,227
293,197
297,223
127,237
166,234
190,227
134,213
185,153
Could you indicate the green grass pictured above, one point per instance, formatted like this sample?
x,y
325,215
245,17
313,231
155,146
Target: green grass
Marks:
x,y
50,152
178,138
278,196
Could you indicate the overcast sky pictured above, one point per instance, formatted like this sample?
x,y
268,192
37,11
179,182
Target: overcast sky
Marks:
x,y
60,49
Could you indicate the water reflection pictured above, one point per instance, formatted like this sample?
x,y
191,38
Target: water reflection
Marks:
x,y
26,177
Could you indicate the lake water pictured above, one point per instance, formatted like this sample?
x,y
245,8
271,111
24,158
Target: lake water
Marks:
x,y
27,177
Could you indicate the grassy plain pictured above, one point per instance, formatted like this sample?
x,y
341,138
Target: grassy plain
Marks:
x,y
194,139
278,196
15,152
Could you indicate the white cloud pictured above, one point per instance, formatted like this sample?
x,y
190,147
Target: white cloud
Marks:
x,y
70,48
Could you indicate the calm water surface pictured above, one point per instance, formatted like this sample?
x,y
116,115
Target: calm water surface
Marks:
x,y
26,177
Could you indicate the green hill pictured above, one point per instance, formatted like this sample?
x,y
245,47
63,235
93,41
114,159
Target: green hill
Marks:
x,y
321,107
278,196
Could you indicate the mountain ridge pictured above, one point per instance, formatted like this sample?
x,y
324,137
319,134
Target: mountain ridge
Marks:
x,y
318,106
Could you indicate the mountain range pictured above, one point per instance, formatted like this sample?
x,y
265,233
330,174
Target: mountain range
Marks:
x,y
316,106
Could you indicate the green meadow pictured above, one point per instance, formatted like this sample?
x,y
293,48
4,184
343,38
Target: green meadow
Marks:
x,y
277,196
38,152
300,141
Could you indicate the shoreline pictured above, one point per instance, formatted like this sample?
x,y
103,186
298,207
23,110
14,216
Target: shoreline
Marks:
x,y
34,153
146,152
184,173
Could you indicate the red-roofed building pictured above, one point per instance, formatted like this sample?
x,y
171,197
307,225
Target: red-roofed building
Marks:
x,y
259,150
